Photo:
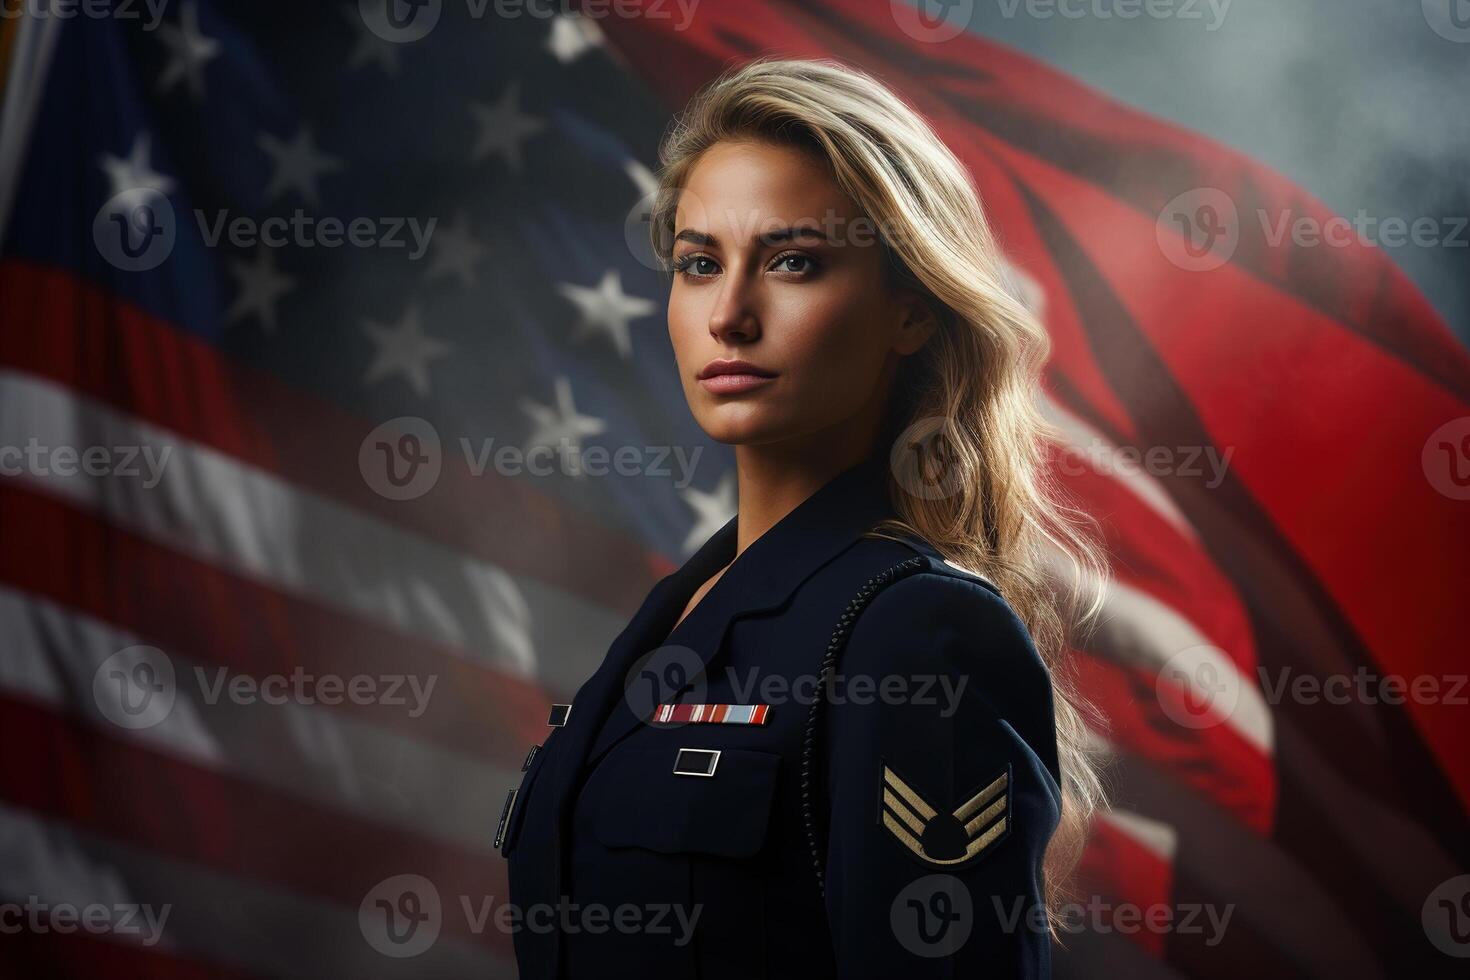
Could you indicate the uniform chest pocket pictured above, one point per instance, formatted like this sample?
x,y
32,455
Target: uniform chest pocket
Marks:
x,y
641,802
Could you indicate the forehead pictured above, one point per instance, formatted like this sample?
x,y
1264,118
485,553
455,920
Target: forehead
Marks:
x,y
736,185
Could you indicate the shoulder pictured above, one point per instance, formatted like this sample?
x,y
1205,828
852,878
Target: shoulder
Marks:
x,y
933,619
920,607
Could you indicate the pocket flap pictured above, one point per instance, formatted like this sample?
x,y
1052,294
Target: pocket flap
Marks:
x,y
641,802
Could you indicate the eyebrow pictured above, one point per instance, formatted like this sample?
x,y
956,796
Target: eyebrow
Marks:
x,y
775,237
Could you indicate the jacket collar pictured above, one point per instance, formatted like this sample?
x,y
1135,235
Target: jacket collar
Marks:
x,y
766,574
763,577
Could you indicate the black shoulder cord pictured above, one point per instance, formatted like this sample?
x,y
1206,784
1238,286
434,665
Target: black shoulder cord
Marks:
x,y
811,778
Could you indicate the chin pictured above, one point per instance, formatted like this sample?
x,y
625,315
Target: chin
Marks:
x,y
741,428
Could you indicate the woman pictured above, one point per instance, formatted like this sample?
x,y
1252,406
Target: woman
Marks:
x,y
835,742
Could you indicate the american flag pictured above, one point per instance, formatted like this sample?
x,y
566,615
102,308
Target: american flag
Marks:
x,y
323,327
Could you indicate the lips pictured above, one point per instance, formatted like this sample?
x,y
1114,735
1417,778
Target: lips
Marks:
x,y
718,367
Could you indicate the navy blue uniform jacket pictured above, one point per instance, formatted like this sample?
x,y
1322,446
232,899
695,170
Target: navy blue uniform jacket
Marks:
x,y
936,757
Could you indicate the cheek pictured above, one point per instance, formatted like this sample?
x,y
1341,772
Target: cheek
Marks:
x,y
841,350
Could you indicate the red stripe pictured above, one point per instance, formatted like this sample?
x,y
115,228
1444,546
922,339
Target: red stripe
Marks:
x,y
81,337
1341,468
122,791
1116,866
192,609
1214,762
1152,555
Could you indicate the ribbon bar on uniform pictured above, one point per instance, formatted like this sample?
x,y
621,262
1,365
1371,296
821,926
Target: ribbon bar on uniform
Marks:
x,y
712,714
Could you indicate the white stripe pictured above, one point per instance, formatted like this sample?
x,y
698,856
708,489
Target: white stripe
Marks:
x,y
30,61
51,655
244,923
1159,838
1140,630
1081,436
216,508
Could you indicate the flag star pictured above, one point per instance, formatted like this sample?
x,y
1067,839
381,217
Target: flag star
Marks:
x,y
455,251
370,47
560,426
403,348
299,164
571,37
260,287
189,50
134,171
607,308
502,127
712,510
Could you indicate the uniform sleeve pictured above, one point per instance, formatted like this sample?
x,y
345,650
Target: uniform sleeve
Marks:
x,y
943,788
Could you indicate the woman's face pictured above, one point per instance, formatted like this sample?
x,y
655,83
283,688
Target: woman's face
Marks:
x,y
774,267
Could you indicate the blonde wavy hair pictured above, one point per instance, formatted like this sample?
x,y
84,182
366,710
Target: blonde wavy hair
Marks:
x,y
978,374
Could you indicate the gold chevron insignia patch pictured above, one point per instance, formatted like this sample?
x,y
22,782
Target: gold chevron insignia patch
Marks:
x,y
946,838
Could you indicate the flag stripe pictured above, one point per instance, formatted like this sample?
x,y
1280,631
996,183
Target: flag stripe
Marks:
x,y
269,425
52,655
109,786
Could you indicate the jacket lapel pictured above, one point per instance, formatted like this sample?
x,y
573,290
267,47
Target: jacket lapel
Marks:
x,y
762,578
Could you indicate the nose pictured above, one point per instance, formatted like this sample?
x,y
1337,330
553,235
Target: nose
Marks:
x,y
733,319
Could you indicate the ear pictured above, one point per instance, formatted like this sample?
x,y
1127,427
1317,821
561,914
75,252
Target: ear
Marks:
x,y
917,323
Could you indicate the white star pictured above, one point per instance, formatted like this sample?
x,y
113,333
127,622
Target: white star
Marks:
x,y
571,37
135,171
188,52
712,510
607,308
370,47
299,164
455,251
503,126
561,428
403,348
260,287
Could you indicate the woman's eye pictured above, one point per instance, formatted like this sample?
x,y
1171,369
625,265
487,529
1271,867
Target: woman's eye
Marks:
x,y
699,266
805,263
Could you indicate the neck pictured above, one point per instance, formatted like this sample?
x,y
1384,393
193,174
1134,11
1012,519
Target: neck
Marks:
x,y
773,482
